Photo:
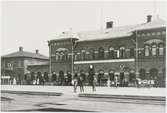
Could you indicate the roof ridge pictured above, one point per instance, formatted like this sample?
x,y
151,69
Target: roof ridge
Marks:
x,y
25,54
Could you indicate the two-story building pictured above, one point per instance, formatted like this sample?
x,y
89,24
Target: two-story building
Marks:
x,y
14,65
127,52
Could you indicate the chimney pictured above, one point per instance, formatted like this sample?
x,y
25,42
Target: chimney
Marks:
x,y
109,24
149,18
20,48
36,51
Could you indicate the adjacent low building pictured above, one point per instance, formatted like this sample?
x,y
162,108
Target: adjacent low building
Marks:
x,y
14,65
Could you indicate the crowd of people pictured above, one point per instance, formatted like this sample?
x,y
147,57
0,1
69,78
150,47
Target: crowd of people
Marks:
x,y
79,80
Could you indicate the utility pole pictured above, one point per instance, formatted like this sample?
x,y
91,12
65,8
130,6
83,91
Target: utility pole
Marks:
x,y
50,65
72,58
136,60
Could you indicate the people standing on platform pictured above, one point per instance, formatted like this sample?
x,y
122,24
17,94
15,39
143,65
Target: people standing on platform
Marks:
x,y
108,83
37,81
61,78
65,80
11,80
116,81
46,78
54,78
138,81
81,84
14,81
156,82
69,76
94,84
75,82
42,81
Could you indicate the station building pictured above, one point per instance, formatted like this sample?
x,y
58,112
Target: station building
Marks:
x,y
126,51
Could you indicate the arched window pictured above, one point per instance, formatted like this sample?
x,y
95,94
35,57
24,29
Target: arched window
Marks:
x,y
154,49
111,75
92,54
161,49
61,56
122,52
111,52
83,54
153,73
57,56
101,53
65,56
142,74
78,56
147,50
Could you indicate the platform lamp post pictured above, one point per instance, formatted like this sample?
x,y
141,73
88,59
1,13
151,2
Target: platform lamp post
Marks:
x,y
136,58
135,41
72,56
50,61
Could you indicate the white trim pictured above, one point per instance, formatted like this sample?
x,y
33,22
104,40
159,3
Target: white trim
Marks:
x,y
104,61
5,77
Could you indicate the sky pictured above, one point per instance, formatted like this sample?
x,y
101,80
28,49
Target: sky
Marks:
x,y
32,23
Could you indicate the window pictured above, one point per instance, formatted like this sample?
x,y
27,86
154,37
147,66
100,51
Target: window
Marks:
x,y
154,50
61,56
19,64
82,54
147,51
118,53
78,56
65,56
92,54
161,49
122,52
111,52
101,53
131,52
57,56
75,56
10,65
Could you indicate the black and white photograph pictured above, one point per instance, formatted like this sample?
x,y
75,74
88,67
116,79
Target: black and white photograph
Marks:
x,y
83,56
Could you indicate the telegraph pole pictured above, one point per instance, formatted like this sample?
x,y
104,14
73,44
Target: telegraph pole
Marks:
x,y
136,60
72,58
50,65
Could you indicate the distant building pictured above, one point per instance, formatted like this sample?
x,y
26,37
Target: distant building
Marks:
x,y
14,65
127,51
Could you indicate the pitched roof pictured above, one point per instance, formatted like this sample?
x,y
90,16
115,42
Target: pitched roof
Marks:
x,y
115,32
155,23
25,54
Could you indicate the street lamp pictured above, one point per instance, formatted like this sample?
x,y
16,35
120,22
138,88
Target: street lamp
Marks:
x,y
72,57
